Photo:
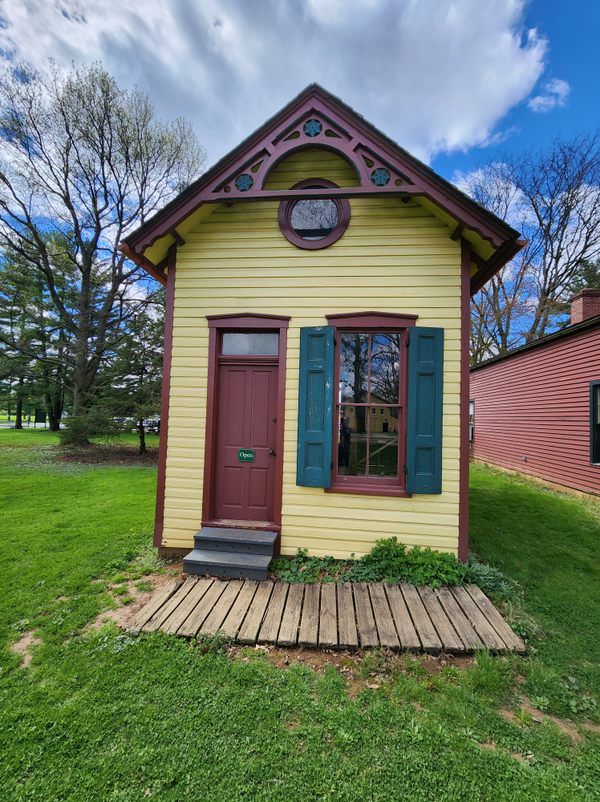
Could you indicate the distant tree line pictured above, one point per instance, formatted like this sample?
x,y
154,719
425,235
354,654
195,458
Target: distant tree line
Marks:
x,y
82,162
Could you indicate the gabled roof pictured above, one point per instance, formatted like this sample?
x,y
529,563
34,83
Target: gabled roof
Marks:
x,y
316,118
590,323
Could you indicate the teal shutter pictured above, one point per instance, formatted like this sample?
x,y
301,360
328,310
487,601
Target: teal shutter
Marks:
x,y
424,410
315,407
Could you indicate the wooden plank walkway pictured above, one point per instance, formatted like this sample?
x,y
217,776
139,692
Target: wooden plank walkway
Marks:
x,y
457,620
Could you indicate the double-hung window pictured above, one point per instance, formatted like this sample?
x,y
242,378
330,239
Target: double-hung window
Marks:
x,y
369,411
370,401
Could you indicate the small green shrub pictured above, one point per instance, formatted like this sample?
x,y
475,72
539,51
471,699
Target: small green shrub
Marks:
x,y
492,582
302,568
388,561
216,643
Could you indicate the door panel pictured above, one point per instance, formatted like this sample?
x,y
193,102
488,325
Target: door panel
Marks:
x,y
246,419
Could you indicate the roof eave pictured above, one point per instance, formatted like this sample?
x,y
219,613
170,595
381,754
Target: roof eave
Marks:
x,y
576,328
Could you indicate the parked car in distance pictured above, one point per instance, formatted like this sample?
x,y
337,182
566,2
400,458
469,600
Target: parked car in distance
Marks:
x,y
124,424
152,425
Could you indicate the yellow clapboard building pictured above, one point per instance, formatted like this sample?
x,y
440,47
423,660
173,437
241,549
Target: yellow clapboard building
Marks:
x,y
316,340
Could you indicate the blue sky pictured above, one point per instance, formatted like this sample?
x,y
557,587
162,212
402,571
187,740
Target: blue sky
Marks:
x,y
572,29
456,82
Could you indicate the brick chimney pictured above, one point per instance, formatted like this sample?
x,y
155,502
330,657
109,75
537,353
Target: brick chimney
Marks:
x,y
585,304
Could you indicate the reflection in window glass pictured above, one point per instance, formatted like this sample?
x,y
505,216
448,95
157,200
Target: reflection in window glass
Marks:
x,y
250,344
352,444
383,453
314,219
385,368
369,378
354,368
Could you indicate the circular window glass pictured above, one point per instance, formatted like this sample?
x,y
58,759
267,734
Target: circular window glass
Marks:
x,y
314,222
314,219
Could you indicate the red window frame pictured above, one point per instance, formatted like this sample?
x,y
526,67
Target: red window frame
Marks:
x,y
371,323
285,212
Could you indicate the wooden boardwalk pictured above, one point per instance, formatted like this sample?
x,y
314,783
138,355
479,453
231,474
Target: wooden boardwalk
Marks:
x,y
345,616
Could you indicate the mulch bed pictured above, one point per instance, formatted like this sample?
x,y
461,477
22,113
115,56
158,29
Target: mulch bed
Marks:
x,y
109,455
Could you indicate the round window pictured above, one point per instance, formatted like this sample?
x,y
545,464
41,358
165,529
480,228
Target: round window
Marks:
x,y
314,219
314,222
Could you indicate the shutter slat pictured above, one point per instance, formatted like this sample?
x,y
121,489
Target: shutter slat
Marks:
x,y
424,410
315,407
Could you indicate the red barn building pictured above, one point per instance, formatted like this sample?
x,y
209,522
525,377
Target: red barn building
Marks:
x,y
537,409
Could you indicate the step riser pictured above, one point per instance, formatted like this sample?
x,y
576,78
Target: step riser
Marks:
x,y
198,569
214,544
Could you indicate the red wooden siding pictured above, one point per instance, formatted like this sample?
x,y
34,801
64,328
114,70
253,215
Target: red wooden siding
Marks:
x,y
532,411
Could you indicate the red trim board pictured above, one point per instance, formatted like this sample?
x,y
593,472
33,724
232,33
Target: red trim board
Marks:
x,y
164,397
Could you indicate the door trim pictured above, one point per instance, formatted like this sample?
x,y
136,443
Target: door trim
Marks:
x,y
254,322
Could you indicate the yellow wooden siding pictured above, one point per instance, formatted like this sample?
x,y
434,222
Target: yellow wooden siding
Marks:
x,y
394,257
312,163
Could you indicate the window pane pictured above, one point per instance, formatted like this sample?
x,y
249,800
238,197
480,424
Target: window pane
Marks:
x,y
383,447
352,444
251,344
354,369
385,368
314,219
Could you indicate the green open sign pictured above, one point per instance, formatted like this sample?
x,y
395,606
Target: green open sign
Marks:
x,y
246,455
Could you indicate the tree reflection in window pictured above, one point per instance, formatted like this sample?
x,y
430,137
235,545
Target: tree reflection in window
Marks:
x,y
369,379
314,219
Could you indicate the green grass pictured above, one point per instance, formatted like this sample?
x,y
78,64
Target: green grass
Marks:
x,y
107,716
550,543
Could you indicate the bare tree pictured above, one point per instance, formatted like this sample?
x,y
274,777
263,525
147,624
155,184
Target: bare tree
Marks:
x,y
86,160
553,198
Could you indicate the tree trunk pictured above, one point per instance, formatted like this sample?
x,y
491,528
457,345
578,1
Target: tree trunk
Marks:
x,y
19,414
77,431
142,436
53,410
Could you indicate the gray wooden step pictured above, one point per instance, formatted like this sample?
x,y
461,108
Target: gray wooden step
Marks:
x,y
205,562
248,541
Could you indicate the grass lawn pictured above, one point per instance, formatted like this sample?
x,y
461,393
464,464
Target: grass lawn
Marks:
x,y
102,715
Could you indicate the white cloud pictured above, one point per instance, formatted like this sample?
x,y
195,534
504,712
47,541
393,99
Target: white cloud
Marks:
x,y
436,75
555,94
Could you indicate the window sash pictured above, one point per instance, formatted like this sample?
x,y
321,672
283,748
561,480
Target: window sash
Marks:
x,y
386,483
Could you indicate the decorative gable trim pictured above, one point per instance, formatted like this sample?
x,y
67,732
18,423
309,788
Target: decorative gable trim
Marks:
x,y
315,118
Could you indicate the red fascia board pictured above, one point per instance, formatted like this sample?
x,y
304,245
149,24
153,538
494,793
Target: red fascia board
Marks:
x,y
495,263
144,263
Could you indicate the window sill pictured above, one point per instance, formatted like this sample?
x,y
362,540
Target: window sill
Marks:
x,y
366,490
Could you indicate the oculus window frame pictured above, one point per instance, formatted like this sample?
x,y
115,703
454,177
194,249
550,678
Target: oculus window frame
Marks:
x,y
286,210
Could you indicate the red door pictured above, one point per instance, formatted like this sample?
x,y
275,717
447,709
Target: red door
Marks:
x,y
246,426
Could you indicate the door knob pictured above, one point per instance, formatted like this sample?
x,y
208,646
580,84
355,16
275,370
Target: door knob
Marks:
x,y
271,452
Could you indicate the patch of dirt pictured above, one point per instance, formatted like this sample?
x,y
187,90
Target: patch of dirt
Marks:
x,y
24,647
509,715
492,747
124,614
566,727
489,745
360,669
108,455
435,663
